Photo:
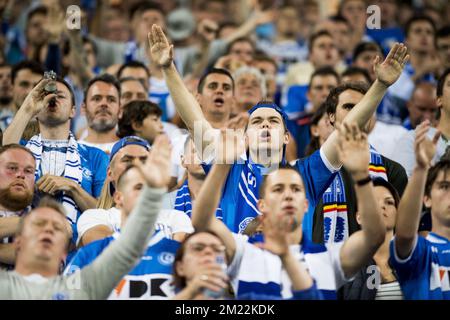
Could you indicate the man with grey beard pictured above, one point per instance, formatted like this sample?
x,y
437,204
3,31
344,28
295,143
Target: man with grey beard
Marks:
x,y
101,106
17,167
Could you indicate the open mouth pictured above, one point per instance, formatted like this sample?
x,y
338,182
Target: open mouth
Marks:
x,y
47,241
265,135
219,102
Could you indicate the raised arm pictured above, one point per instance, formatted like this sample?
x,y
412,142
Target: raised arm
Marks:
x,y
35,101
359,248
387,73
187,106
408,216
100,277
276,235
203,212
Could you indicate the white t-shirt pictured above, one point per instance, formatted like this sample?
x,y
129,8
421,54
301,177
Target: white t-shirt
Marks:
x,y
105,147
169,221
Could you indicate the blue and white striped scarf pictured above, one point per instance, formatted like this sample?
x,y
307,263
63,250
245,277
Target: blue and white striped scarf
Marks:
x,y
183,201
73,170
335,222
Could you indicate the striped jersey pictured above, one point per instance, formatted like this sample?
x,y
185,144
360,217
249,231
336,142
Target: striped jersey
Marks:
x,y
257,271
150,279
183,201
425,274
241,190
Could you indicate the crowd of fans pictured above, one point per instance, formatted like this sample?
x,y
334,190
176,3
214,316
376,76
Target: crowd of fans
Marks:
x,y
213,149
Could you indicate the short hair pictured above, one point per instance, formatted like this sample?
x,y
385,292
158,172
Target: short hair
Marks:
x,y
417,18
317,35
132,64
322,72
441,83
45,202
31,65
366,46
107,78
353,70
442,165
85,39
15,146
69,87
180,281
202,80
135,112
443,32
5,64
37,10
333,97
143,6
263,186
253,71
380,182
126,79
261,56
240,39
339,18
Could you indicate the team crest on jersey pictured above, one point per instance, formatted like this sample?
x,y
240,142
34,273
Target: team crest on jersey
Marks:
x,y
166,258
87,174
60,296
244,223
440,277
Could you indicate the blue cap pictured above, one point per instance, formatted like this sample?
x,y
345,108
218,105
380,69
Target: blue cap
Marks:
x,y
126,141
271,106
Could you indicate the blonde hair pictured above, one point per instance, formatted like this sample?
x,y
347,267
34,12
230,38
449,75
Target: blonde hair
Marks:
x,y
105,201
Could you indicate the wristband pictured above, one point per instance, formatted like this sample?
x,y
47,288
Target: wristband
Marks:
x,y
364,181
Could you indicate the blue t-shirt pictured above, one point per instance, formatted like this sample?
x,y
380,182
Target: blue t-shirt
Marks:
x,y
296,101
241,191
425,274
150,279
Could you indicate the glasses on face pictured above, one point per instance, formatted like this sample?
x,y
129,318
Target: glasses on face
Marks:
x,y
199,247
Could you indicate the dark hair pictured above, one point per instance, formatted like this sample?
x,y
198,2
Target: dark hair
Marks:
x,y
5,64
226,24
417,18
132,64
261,56
143,6
201,82
442,165
316,36
339,18
69,87
135,112
366,46
353,70
380,182
15,146
125,79
262,187
38,10
333,97
441,83
314,142
33,66
107,78
179,281
443,32
240,39
322,72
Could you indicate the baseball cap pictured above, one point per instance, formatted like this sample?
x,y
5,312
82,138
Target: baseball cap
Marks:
x,y
126,141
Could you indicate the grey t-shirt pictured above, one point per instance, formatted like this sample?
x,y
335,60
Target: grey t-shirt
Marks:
x,y
97,280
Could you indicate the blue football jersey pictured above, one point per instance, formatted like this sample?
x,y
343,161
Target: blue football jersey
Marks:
x,y
241,191
257,271
425,274
150,279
